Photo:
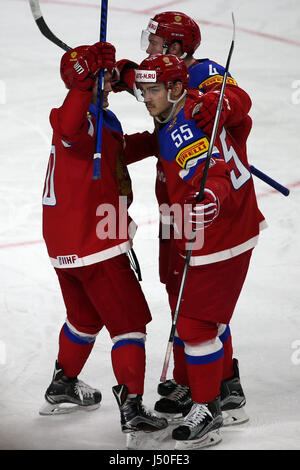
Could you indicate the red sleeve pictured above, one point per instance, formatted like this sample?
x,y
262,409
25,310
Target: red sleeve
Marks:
x,y
139,146
240,104
239,101
69,121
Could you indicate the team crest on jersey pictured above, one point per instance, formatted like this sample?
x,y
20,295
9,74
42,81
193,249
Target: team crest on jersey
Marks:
x,y
192,151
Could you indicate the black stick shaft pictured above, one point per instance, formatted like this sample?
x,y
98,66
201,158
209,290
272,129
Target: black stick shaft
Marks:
x,y
43,27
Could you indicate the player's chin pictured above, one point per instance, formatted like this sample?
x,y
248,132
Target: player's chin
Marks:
x,y
151,110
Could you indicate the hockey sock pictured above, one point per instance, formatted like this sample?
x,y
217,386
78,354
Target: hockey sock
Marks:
x,y
129,360
74,350
205,367
224,334
180,371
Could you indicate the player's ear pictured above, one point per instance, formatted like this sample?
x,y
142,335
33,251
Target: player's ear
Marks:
x,y
175,48
177,90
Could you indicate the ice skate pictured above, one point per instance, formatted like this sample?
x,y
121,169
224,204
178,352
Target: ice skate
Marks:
x,y
66,395
138,422
165,388
233,399
200,428
175,404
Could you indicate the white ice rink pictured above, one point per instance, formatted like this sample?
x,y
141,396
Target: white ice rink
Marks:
x,y
266,324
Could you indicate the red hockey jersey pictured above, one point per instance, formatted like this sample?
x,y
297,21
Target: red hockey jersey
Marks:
x,y
84,220
183,150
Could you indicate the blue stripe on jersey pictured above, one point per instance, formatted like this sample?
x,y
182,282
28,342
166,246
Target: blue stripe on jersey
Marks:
x,y
202,70
110,120
178,342
207,359
193,169
177,135
224,336
76,338
127,342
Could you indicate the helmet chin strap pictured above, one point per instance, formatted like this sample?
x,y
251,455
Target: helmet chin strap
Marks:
x,y
174,102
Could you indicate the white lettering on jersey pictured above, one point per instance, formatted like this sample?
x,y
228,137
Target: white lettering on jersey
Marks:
x,y
160,176
49,198
186,133
229,153
212,70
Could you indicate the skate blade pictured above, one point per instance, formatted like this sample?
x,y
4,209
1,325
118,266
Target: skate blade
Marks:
x,y
172,418
50,409
234,417
211,439
140,440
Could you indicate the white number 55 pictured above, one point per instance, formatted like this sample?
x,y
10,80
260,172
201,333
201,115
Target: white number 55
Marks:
x,y
181,134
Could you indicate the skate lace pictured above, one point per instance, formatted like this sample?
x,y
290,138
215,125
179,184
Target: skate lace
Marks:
x,y
146,412
179,392
83,390
197,414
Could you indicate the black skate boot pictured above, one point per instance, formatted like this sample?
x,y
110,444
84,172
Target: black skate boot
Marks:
x,y
176,404
134,416
65,395
165,388
140,425
233,399
200,428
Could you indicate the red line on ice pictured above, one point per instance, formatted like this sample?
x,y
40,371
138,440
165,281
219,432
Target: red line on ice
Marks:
x,y
147,222
162,6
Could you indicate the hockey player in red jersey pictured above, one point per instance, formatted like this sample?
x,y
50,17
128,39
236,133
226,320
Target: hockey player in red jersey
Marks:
x,y
88,234
173,32
227,223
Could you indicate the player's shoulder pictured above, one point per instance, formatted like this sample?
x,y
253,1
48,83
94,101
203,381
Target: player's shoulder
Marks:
x,y
205,67
111,121
206,72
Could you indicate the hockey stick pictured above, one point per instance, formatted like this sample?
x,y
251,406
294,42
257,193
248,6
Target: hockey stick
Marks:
x,y
99,119
199,198
43,27
267,179
38,17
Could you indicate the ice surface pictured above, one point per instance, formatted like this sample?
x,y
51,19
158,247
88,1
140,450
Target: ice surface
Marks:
x,y
266,325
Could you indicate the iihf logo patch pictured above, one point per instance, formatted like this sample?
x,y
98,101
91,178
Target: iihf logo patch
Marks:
x,y
67,260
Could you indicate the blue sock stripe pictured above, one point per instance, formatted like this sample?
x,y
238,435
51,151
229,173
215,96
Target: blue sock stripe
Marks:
x,y
207,359
224,336
76,338
178,342
127,342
